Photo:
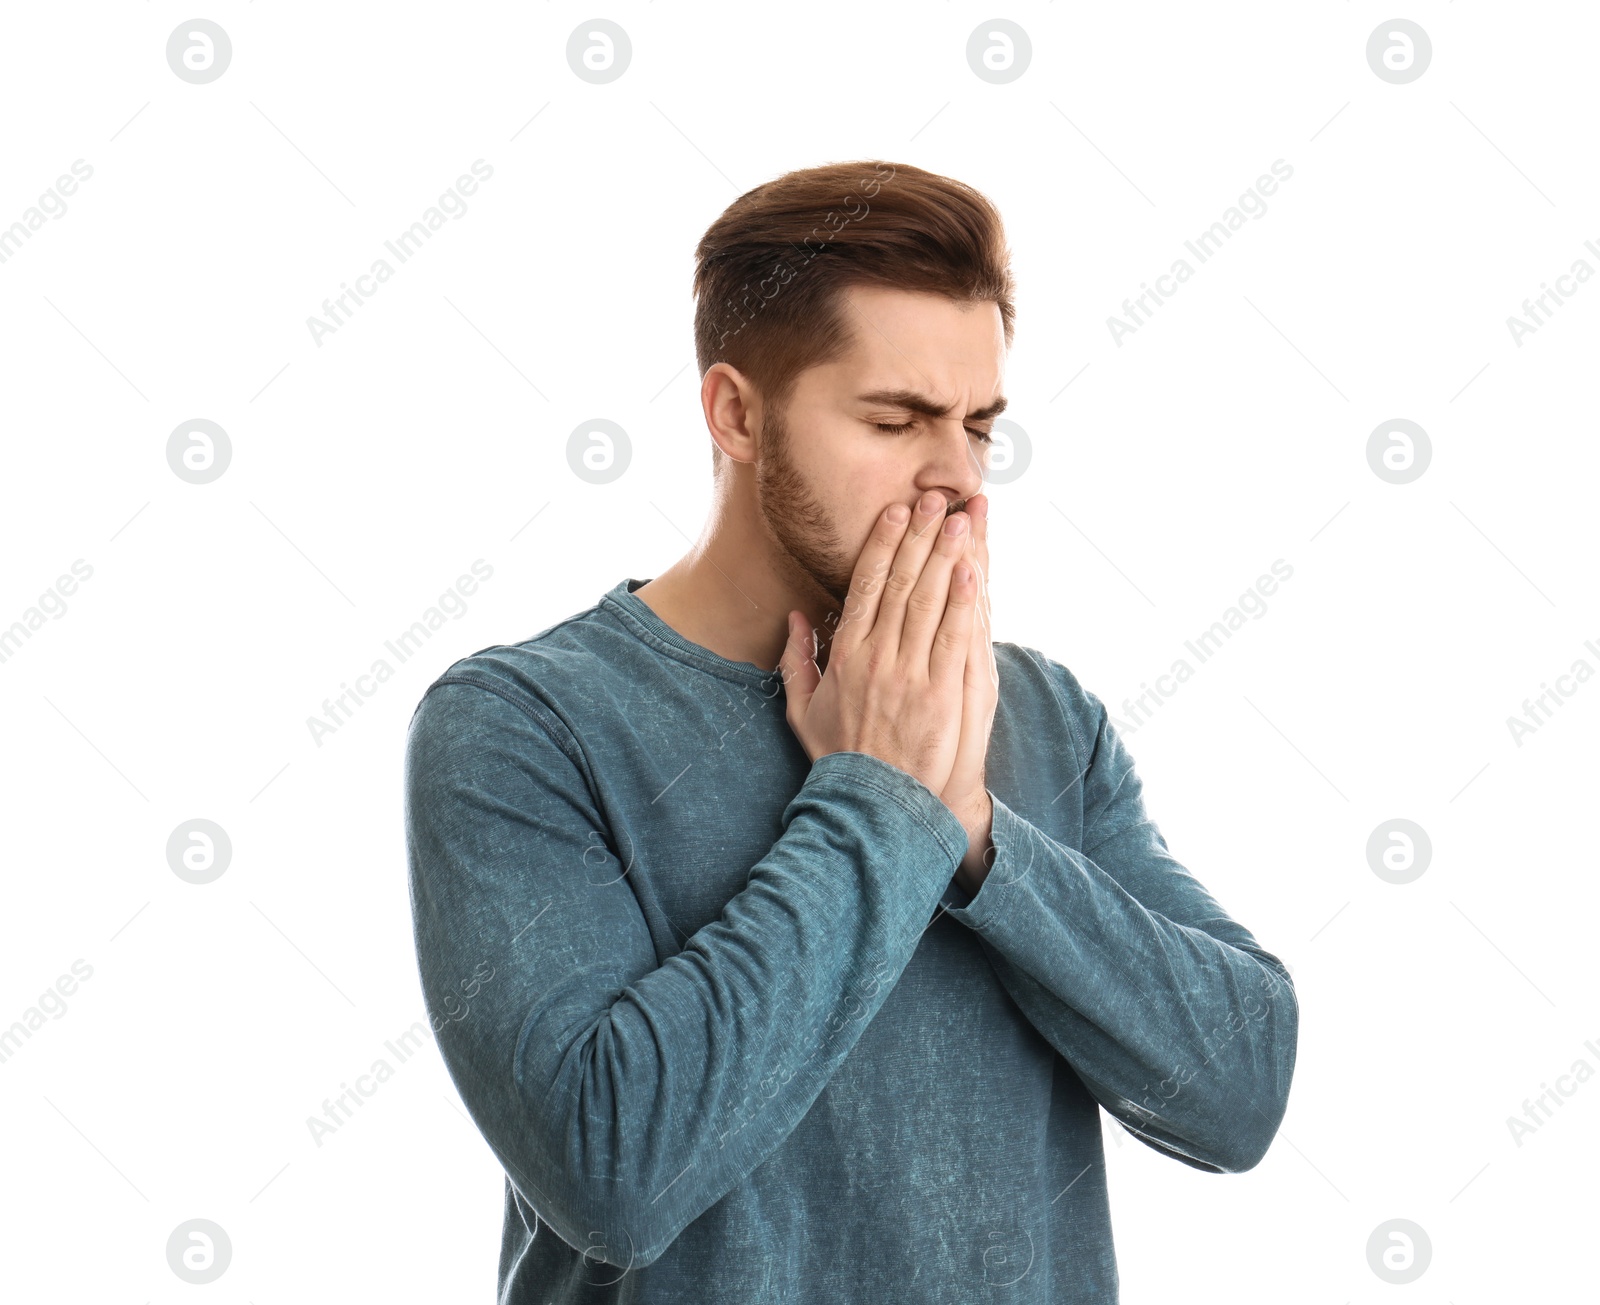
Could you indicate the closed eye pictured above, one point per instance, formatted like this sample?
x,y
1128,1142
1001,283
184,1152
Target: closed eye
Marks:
x,y
891,428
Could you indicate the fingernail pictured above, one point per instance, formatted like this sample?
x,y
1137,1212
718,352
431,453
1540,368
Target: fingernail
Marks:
x,y
930,503
953,526
899,514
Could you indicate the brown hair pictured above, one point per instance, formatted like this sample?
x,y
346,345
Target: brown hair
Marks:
x,y
769,271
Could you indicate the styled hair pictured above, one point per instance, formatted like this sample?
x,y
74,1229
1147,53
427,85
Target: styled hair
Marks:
x,y
770,270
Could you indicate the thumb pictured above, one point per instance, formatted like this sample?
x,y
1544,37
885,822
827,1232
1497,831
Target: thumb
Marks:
x,y
798,666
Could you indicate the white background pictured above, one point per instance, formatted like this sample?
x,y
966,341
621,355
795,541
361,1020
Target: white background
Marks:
x,y
369,472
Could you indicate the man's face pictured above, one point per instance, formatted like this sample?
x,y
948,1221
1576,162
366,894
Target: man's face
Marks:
x,y
826,470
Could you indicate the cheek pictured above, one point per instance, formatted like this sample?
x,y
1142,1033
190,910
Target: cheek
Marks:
x,y
851,477
860,506
850,481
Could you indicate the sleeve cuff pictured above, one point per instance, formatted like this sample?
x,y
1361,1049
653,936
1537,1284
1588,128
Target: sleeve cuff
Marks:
x,y
862,769
1010,835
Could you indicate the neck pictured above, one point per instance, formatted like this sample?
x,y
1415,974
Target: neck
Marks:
x,y
733,591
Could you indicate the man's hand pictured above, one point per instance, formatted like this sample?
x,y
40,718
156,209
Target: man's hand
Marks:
x,y
965,793
897,665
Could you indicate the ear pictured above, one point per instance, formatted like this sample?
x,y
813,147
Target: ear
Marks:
x,y
732,408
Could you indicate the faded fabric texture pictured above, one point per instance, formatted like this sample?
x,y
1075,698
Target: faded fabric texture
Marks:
x,y
734,1034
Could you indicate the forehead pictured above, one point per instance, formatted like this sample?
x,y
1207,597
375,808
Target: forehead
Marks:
x,y
910,338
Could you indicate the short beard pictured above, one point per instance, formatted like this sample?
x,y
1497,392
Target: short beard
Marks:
x,y
809,546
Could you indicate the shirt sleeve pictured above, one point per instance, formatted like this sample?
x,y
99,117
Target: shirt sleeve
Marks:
x,y
1171,1013
622,1094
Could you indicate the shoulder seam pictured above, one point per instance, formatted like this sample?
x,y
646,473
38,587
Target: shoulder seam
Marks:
x,y
529,706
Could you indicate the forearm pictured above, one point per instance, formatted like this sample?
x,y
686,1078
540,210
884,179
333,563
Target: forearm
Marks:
x,y
628,1097
1185,1034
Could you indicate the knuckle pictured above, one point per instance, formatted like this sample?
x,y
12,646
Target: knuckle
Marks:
x,y
865,583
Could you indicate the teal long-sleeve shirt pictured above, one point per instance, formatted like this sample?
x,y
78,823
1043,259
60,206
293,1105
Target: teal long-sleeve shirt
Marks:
x,y
735,1035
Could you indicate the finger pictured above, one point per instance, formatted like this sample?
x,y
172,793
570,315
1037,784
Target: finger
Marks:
x,y
912,555
979,697
973,746
866,582
947,660
982,678
798,667
926,603
978,509
980,537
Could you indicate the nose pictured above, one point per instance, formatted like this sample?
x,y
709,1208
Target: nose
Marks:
x,y
962,476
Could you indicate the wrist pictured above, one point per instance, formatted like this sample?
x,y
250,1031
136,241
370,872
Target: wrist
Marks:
x,y
976,814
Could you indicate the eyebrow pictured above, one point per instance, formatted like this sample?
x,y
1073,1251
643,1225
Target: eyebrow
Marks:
x,y
915,401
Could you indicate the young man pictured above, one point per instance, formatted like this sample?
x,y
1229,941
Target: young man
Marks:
x,y
787,936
